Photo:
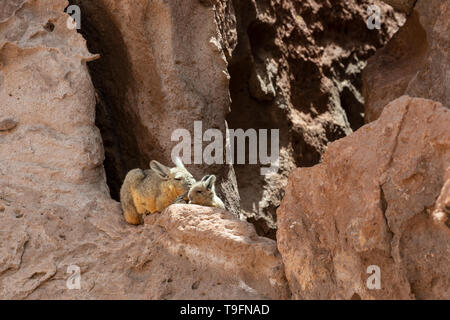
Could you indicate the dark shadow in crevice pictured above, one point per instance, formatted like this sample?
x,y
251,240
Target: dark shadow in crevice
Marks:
x,y
111,77
255,45
355,296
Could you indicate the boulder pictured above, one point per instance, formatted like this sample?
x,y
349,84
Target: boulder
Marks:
x,y
372,202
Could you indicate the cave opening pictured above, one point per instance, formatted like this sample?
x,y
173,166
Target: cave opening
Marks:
x,y
253,109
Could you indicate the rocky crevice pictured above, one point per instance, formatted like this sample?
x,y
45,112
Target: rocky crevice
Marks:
x,y
385,225
112,78
297,67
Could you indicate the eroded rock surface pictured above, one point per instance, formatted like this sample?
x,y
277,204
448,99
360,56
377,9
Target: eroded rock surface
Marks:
x,y
402,5
372,201
416,61
297,67
55,207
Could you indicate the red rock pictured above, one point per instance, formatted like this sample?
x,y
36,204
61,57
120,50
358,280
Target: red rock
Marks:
x,y
367,204
296,66
416,61
155,75
402,5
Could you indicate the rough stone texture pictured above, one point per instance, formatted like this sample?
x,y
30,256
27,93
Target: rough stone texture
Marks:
x,y
294,66
416,61
55,208
7,123
372,201
297,67
7,8
402,5
227,248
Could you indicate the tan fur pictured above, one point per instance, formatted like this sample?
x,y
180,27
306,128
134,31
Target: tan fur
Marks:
x,y
146,191
203,193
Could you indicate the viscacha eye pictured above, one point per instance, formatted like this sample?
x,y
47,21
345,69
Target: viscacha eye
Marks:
x,y
199,191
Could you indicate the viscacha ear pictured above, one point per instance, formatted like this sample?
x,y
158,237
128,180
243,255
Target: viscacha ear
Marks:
x,y
179,163
205,178
209,182
161,170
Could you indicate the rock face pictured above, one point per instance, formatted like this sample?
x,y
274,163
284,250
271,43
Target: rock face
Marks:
x,y
55,208
372,201
416,62
296,67
402,5
380,197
